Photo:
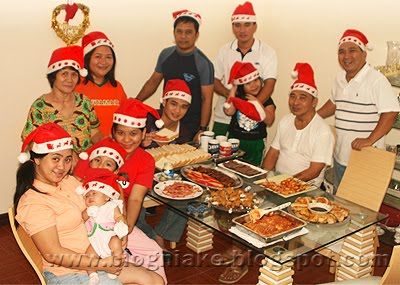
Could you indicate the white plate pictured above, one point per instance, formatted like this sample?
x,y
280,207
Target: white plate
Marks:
x,y
158,177
262,171
159,188
281,177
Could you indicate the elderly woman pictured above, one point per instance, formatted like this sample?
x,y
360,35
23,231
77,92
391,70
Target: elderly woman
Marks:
x,y
62,105
49,209
100,85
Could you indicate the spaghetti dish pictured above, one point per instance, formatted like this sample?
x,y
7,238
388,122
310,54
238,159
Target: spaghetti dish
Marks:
x,y
180,190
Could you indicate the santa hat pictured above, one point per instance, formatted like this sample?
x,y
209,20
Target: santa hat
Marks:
x,y
177,88
305,79
356,37
102,180
46,138
244,13
242,73
93,40
106,147
67,56
252,109
186,13
133,113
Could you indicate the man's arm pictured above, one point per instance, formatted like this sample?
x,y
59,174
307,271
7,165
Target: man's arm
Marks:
x,y
384,125
134,205
220,89
207,98
271,158
150,86
266,90
311,172
327,110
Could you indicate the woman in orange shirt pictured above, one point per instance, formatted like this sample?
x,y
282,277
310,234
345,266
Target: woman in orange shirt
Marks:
x,y
100,85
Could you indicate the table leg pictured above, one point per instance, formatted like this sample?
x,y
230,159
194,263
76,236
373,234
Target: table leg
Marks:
x,y
357,255
199,237
273,273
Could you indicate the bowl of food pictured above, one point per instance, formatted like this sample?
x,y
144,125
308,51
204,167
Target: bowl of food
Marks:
x,y
319,208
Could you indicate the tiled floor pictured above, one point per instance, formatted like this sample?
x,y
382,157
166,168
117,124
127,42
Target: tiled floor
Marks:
x,y
185,268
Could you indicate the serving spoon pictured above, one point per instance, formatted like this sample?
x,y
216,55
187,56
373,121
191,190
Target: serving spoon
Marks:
x,y
256,214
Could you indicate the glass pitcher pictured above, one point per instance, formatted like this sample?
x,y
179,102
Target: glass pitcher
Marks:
x,y
393,53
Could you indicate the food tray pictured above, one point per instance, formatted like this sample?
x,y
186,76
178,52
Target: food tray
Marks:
x,y
184,171
282,177
256,201
240,220
262,171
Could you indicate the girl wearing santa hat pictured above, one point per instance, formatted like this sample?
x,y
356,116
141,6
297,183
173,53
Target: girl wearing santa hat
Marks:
x,y
63,105
49,210
100,85
249,117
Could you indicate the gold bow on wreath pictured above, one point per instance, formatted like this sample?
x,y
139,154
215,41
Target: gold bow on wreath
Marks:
x,y
70,34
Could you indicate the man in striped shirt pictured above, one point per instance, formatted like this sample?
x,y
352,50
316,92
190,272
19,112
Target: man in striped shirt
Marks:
x,y
362,100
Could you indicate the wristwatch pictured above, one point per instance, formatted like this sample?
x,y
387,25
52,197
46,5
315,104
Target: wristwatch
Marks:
x,y
203,128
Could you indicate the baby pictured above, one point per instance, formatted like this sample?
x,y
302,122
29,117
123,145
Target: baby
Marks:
x,y
103,217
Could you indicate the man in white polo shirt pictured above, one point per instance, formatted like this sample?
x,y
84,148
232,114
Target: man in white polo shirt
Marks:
x,y
363,102
244,48
303,144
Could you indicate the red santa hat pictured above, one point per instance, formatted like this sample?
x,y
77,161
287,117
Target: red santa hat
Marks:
x,y
356,37
177,88
102,180
252,109
46,138
106,147
93,40
133,113
186,13
305,79
244,13
242,73
67,56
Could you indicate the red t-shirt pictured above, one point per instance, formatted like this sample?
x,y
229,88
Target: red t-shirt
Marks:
x,y
105,99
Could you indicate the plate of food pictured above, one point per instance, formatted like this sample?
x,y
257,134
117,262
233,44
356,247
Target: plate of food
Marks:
x,y
233,200
242,168
164,136
178,190
319,210
211,176
285,185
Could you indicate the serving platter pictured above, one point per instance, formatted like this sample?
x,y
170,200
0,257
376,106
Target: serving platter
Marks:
x,y
211,176
233,200
166,189
274,184
227,165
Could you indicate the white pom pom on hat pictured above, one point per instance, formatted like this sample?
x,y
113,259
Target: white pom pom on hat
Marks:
x,y
294,74
369,46
79,190
84,155
159,123
227,105
24,157
83,72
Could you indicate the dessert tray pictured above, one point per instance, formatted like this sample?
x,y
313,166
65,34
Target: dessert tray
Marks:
x,y
242,168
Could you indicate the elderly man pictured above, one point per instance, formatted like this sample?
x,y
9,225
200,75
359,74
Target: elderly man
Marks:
x,y
185,61
303,144
245,48
363,102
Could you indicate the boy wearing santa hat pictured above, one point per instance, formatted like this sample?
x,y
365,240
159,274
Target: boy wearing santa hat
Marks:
x,y
303,143
244,48
185,61
362,100
249,118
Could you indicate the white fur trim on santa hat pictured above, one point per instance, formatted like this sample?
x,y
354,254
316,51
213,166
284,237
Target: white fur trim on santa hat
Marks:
x,y
189,14
52,146
240,18
178,95
246,79
24,157
259,108
306,88
101,187
63,63
94,44
129,121
356,41
109,152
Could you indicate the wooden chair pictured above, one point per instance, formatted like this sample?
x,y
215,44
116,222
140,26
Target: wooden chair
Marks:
x,y
27,246
365,182
390,277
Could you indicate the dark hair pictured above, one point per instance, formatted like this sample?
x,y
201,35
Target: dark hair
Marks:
x,y
51,77
187,19
25,177
114,128
110,76
240,90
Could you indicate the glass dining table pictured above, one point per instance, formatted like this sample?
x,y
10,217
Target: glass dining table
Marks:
x,y
357,232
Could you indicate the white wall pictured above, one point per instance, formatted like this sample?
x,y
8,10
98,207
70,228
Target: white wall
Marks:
x,y
302,30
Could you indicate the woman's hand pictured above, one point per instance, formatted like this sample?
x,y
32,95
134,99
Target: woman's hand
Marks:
x,y
113,264
148,138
